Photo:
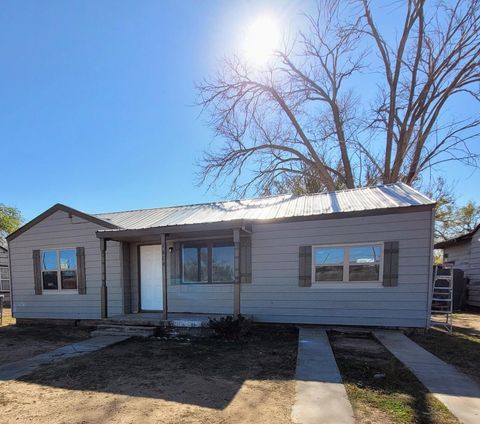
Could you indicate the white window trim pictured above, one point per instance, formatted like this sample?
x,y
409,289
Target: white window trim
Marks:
x,y
346,267
2,280
59,272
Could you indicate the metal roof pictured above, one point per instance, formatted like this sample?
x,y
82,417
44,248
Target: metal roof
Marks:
x,y
396,195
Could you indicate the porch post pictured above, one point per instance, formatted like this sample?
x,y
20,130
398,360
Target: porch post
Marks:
x,y
103,289
236,284
164,277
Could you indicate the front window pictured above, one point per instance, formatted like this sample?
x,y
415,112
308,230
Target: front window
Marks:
x,y
347,263
4,278
211,262
59,269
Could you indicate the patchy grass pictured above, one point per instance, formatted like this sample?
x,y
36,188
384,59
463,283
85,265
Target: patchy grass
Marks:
x,y
22,342
194,381
380,388
461,349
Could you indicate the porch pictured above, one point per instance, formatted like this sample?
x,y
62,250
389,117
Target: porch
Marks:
x,y
178,276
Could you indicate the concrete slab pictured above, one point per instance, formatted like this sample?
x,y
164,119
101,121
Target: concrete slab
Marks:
x,y
18,369
320,393
459,393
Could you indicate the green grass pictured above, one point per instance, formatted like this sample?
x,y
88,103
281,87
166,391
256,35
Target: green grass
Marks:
x,y
396,398
461,349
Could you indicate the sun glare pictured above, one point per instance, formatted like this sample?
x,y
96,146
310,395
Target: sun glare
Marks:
x,y
261,40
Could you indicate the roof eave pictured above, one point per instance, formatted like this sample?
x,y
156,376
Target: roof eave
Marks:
x,y
64,208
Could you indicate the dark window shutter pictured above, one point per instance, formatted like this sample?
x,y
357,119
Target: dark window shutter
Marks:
x,y
37,272
245,260
81,278
305,266
176,264
390,263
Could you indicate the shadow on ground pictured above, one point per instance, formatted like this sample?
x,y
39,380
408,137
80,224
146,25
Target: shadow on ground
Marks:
x,y
205,372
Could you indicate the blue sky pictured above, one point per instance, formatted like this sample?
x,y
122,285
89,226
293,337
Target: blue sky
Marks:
x,y
96,99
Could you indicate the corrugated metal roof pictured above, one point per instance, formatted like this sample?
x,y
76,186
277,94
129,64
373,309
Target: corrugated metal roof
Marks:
x,y
274,207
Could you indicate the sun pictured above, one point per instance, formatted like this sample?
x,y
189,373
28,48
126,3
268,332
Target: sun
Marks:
x,y
262,38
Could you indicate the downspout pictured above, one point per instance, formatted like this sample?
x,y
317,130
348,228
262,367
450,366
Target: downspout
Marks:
x,y
430,271
103,289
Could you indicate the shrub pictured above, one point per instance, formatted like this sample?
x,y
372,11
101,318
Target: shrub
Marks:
x,y
231,328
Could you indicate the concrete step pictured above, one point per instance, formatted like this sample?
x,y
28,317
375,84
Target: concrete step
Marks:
x,y
126,330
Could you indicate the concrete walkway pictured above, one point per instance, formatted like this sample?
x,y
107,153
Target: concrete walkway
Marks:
x,y
320,394
18,369
455,390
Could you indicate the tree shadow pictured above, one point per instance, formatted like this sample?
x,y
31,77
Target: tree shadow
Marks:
x,y
206,372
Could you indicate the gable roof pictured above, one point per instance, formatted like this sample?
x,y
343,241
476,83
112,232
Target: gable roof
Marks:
x,y
464,238
391,196
364,199
3,245
64,208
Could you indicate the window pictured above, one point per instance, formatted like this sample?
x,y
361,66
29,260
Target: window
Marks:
x,y
59,269
349,263
208,263
4,278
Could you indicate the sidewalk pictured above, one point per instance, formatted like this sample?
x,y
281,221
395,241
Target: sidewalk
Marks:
x,y
455,390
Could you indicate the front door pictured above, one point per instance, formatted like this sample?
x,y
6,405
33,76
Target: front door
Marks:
x,y
151,289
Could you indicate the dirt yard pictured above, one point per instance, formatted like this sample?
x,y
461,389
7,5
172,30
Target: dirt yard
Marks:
x,y
24,342
169,381
380,388
462,348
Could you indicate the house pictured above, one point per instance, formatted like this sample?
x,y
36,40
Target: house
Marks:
x,y
352,257
4,272
464,253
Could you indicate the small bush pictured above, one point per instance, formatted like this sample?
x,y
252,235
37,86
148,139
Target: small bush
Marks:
x,y
231,328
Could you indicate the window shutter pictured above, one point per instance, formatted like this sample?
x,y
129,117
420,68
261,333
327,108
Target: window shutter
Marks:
x,y
81,279
305,266
390,263
37,272
176,264
245,260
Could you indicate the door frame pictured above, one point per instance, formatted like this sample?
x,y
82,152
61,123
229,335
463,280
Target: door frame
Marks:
x,y
139,273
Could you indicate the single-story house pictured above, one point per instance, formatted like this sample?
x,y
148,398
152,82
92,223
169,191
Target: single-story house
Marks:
x,y
352,257
4,272
463,252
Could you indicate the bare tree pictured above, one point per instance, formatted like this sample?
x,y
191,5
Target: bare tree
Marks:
x,y
301,122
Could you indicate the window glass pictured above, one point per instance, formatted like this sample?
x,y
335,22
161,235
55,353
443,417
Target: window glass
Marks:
x,y
365,263
222,264
69,279
68,259
329,263
49,260
329,255
50,281
195,264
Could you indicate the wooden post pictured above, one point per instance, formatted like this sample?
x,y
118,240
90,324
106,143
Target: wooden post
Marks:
x,y
103,289
164,277
236,284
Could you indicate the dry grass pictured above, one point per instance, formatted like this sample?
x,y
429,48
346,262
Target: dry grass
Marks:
x,y
169,381
18,343
7,318
395,397
462,348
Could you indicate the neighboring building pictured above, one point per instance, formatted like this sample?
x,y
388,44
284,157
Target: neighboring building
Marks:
x,y
353,257
464,253
4,273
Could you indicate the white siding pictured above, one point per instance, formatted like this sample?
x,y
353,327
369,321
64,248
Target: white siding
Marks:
x,y
59,231
474,270
459,254
274,294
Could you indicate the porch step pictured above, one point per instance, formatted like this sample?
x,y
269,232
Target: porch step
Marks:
x,y
127,330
